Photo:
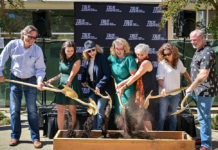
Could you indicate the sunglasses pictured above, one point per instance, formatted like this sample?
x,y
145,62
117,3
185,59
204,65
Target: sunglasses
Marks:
x,y
31,37
92,50
168,54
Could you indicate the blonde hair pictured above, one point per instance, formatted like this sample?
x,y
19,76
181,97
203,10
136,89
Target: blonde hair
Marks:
x,y
86,55
125,45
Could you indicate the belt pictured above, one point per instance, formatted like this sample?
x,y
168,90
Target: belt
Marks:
x,y
22,78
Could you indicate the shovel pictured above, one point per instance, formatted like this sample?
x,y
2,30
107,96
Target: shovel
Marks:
x,y
67,91
182,106
102,96
146,103
119,95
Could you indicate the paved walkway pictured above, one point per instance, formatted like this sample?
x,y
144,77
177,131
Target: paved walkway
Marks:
x,y
25,140
26,144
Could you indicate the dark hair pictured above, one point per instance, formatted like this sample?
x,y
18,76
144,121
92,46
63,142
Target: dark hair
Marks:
x,y
174,51
63,56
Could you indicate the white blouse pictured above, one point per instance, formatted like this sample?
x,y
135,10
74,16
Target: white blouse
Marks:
x,y
170,75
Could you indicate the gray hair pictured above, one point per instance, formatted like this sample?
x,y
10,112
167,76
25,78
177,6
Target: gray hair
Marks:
x,y
28,29
198,32
141,47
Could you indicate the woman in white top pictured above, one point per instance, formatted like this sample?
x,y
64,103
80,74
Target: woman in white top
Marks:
x,y
169,71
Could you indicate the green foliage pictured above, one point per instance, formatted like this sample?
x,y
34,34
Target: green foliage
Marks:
x,y
6,121
2,116
214,122
8,21
172,7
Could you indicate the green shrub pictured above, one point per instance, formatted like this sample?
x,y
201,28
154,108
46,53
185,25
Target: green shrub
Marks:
x,y
6,121
214,122
2,116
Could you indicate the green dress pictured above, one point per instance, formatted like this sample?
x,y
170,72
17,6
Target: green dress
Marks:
x,y
65,69
120,69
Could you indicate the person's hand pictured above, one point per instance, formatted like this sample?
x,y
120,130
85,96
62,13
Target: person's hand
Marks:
x,y
2,79
121,89
68,83
97,90
47,83
84,84
189,90
40,85
119,85
163,92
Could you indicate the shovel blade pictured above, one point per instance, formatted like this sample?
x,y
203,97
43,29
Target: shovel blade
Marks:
x,y
69,92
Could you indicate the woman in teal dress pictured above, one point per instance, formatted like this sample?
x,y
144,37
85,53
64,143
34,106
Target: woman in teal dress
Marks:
x,y
123,66
68,67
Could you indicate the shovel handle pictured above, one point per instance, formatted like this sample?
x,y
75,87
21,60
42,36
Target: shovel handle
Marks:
x,y
33,85
168,93
118,95
82,102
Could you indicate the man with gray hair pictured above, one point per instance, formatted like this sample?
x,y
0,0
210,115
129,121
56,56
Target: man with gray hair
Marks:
x,y
203,74
27,65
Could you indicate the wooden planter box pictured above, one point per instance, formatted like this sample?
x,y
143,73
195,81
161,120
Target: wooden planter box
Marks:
x,y
162,140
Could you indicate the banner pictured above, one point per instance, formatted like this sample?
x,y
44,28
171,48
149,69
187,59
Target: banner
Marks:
x,y
104,22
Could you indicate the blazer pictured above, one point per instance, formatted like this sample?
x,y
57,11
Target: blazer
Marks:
x,y
101,73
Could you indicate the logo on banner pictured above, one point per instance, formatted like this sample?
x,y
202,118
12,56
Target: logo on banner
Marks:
x,y
135,37
111,36
88,8
157,37
86,36
79,49
82,22
106,22
112,8
154,63
135,9
152,23
157,10
152,51
129,23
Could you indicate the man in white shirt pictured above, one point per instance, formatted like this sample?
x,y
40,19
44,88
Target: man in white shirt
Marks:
x,y
27,65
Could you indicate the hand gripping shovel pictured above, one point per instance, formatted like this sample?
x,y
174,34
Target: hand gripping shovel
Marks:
x,y
102,96
146,103
67,91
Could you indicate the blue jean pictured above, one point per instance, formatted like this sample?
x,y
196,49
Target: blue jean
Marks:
x,y
204,105
168,105
30,93
101,104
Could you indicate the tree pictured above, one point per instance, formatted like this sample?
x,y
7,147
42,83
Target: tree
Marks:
x,y
8,22
170,8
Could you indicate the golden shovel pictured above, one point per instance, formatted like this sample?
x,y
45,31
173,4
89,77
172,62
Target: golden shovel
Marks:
x,y
146,103
182,106
118,95
67,91
102,96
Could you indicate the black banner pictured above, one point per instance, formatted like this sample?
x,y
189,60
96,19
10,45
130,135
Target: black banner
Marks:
x,y
104,22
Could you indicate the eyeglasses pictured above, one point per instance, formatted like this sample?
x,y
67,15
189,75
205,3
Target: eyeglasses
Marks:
x,y
31,37
92,50
168,54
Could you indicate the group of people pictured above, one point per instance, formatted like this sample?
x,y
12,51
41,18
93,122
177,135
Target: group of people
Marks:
x,y
133,78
